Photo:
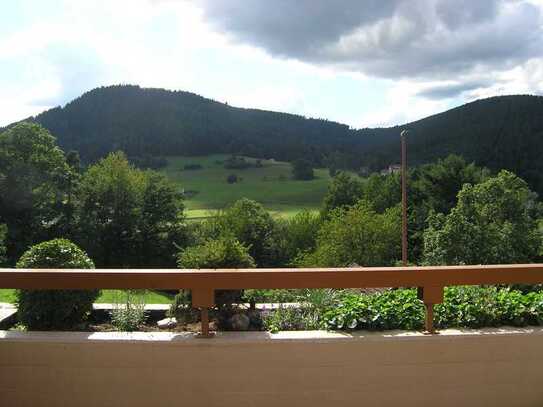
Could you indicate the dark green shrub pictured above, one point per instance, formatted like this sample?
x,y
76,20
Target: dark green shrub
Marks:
x,y
302,170
54,309
300,233
3,234
224,252
232,179
237,163
344,191
192,167
253,226
357,235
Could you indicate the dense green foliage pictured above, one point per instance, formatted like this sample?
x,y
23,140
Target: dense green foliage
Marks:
x,y
494,222
383,191
54,309
343,191
302,170
498,133
300,234
357,235
35,187
149,162
3,234
123,216
129,217
431,188
158,122
390,309
223,252
237,163
248,222
472,307
436,185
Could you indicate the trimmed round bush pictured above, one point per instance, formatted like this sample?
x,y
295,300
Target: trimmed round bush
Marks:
x,y
224,252
54,309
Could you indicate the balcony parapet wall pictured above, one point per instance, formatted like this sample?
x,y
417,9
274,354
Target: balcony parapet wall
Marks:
x,y
495,367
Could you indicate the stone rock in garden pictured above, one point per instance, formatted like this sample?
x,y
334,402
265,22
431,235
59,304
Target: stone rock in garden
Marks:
x,y
239,322
167,323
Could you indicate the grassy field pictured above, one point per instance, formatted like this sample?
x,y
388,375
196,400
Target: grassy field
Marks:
x,y
272,185
106,297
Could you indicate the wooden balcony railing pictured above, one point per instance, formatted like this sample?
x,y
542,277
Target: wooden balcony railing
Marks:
x,y
430,280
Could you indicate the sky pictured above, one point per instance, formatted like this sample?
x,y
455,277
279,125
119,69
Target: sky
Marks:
x,y
368,63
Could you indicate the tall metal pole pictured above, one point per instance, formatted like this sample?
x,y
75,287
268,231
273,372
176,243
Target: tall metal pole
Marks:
x,y
403,137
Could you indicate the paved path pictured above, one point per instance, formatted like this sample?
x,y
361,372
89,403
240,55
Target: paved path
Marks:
x,y
165,307
6,311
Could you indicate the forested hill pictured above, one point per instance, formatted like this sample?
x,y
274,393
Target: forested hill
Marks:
x,y
499,132
159,122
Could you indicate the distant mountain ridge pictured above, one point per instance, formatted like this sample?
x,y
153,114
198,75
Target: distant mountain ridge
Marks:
x,y
498,132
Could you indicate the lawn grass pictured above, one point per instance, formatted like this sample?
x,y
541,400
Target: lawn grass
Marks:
x,y
272,185
106,296
7,295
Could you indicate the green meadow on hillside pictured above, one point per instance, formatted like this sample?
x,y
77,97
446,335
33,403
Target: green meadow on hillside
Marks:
x,y
272,185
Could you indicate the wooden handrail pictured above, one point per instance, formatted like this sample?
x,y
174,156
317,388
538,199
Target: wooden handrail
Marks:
x,y
430,279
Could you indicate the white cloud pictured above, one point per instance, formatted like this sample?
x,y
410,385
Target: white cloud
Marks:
x,y
311,57
402,105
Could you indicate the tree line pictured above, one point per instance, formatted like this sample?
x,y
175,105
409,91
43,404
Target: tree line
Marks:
x,y
122,216
497,133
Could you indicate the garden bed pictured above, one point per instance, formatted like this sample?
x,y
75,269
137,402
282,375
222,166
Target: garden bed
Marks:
x,y
347,310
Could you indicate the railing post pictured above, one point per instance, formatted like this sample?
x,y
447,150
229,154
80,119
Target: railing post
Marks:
x,y
204,318
203,298
429,320
430,295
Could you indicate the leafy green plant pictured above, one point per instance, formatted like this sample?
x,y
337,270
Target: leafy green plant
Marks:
x,y
390,309
271,296
129,314
476,307
358,235
54,309
181,308
313,304
285,319
471,307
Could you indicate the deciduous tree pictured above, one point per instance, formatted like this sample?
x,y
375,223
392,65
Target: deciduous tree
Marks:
x,y
494,222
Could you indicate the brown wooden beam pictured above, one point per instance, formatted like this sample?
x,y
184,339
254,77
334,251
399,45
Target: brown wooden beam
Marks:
x,y
438,276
